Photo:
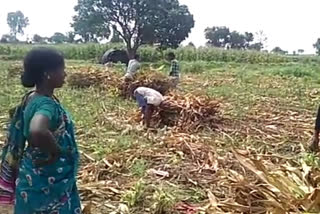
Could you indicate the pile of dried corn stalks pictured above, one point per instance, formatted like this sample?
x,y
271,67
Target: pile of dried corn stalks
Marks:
x,y
187,113
105,78
260,186
84,77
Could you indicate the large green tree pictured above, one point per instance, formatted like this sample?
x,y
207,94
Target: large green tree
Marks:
x,y
17,22
138,21
88,23
169,26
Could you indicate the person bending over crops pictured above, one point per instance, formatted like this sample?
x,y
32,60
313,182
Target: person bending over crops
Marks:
x,y
148,99
174,69
315,142
133,67
40,158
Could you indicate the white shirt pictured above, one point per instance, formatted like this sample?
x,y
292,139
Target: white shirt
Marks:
x,y
152,96
133,67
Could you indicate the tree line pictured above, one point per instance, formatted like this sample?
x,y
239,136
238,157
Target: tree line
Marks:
x,y
138,22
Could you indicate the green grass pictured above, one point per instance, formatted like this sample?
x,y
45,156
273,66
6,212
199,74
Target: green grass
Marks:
x,y
139,167
134,196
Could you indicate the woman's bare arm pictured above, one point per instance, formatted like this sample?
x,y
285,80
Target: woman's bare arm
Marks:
x,y
42,138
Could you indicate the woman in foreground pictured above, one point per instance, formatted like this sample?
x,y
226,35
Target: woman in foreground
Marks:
x,y
40,159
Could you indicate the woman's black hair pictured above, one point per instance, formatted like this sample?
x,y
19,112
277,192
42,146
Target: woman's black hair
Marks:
x,y
37,62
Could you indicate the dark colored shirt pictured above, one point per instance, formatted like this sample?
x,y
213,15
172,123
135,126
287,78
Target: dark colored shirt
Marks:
x,y
318,120
175,69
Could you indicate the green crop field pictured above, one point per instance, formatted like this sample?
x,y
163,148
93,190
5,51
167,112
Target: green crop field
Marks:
x,y
93,52
268,105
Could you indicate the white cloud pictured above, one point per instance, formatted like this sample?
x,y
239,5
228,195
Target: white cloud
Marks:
x,y
290,24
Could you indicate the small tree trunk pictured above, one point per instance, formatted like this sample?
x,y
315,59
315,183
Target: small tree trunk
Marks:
x,y
131,53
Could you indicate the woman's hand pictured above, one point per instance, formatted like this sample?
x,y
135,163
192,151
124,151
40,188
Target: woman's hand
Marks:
x,y
52,158
42,138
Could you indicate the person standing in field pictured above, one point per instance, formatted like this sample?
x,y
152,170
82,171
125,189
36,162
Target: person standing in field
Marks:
x,y
174,69
133,67
315,141
40,159
148,99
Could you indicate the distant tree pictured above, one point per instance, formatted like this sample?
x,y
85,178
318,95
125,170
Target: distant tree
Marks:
x,y
17,22
38,39
3,39
166,22
278,50
317,46
217,36
248,38
7,38
256,46
222,37
58,38
240,41
70,37
300,51
237,40
116,38
261,38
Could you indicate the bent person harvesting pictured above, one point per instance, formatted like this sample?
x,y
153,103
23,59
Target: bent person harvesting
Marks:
x,y
148,99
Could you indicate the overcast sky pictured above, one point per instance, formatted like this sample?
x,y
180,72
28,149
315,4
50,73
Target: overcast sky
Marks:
x,y
290,24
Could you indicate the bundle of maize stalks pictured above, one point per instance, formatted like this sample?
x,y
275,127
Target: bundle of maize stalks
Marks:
x,y
154,80
275,189
88,77
250,183
188,113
